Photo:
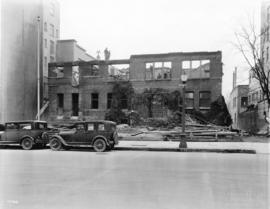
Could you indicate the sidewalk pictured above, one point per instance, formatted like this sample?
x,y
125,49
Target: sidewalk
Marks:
x,y
226,147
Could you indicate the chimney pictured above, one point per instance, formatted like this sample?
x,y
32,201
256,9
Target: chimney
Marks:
x,y
234,77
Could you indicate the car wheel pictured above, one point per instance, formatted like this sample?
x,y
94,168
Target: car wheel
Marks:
x,y
27,144
99,145
55,144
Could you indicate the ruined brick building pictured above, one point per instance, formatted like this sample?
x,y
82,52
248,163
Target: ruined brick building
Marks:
x,y
82,90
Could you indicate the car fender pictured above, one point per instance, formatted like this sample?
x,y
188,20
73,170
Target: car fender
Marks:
x,y
102,137
27,136
60,138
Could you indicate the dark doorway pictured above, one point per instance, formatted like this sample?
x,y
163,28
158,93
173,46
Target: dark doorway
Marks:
x,y
94,104
75,104
60,104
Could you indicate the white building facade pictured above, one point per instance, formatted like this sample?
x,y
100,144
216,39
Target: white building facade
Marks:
x,y
19,43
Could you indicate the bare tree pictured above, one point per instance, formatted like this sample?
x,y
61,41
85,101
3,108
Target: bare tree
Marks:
x,y
251,44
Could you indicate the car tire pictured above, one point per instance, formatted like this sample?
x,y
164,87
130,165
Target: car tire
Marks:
x,y
99,145
27,143
56,144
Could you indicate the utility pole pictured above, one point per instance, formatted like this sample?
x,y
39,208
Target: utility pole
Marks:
x,y
38,68
184,110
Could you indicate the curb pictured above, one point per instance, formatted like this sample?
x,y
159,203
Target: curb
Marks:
x,y
243,151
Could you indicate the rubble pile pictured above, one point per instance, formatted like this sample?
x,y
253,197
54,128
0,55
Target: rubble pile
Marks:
x,y
194,131
198,131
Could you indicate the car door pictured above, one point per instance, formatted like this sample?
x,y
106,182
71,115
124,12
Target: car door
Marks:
x,y
38,129
11,133
92,131
99,130
24,129
79,136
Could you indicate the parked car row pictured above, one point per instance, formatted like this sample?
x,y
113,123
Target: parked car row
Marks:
x,y
101,135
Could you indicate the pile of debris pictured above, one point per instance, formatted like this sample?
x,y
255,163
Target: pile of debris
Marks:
x,y
200,132
194,131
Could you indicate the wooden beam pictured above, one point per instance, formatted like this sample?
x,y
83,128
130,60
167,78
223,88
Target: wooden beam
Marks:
x,y
93,62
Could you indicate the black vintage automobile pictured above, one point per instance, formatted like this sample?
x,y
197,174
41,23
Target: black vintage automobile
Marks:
x,y
100,134
25,133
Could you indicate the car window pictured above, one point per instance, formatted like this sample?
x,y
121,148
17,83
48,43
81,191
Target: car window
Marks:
x,y
2,127
41,126
12,126
113,127
101,127
90,127
25,126
80,126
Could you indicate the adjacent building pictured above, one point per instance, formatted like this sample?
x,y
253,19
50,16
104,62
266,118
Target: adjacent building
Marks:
x,y
258,108
238,103
263,107
69,51
83,90
19,43
66,51
265,39
50,34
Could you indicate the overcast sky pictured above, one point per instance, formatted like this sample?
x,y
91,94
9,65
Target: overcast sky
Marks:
x,y
160,26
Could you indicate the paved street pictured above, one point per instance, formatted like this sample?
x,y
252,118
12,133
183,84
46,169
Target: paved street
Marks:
x,y
129,179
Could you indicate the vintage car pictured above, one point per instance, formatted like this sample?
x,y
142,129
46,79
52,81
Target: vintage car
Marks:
x,y
101,135
25,133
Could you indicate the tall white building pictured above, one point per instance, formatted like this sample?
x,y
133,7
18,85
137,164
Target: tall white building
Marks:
x,y
19,41
50,27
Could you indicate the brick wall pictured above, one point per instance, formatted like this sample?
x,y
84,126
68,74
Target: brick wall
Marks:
x,y
100,84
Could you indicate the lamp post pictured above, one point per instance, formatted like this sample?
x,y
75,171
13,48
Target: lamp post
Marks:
x,y
38,70
183,143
